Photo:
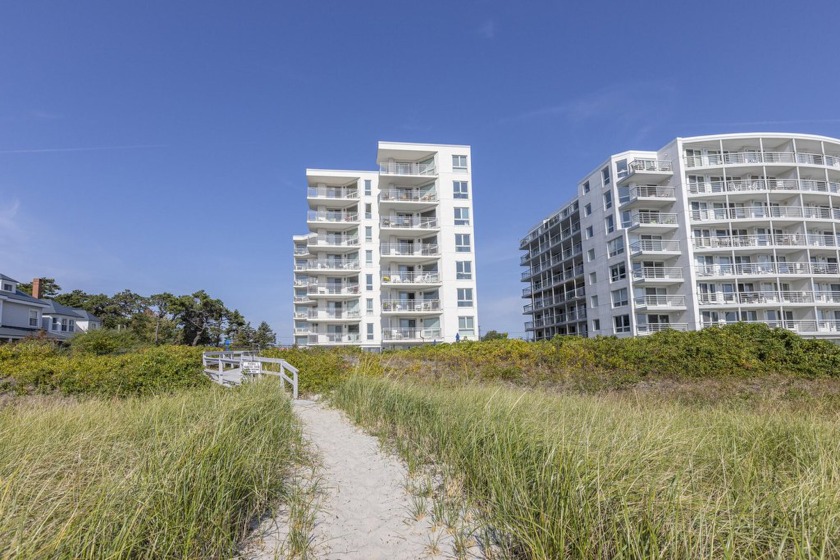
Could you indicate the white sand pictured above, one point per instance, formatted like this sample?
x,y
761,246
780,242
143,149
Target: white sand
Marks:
x,y
364,510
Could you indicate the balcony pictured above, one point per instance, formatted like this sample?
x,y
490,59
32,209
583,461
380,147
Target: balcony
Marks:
x,y
653,222
765,269
409,251
408,307
410,198
766,213
334,242
647,170
660,302
333,194
806,326
334,338
333,291
527,292
415,278
779,240
650,328
409,223
658,274
654,247
763,185
756,158
337,315
411,335
650,196
424,169
332,219
333,266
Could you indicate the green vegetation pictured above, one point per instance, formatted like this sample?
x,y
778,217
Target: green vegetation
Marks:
x,y
588,476
41,367
321,369
165,476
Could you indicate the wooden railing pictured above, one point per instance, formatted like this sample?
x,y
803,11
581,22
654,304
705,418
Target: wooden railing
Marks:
x,y
232,368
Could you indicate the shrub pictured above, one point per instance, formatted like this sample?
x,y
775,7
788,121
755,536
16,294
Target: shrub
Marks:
x,y
104,341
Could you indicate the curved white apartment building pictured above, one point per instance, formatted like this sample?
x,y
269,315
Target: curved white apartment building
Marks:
x,y
389,260
708,230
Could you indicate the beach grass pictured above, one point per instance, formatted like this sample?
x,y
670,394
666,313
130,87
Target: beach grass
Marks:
x,y
181,475
556,475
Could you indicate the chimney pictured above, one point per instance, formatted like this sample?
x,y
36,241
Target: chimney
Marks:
x,y
36,288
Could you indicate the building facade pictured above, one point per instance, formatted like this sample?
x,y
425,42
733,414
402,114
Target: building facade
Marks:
x,y
706,231
389,259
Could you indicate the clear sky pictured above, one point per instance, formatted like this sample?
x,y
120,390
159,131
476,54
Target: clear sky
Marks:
x,y
162,146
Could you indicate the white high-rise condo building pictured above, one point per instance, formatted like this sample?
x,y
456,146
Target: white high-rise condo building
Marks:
x,y
708,230
389,260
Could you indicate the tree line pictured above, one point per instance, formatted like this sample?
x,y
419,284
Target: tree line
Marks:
x,y
195,319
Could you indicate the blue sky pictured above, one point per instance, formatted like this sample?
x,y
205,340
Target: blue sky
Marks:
x,y
161,146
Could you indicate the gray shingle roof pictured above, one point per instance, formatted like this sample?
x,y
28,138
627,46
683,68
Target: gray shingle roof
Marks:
x,y
4,277
55,308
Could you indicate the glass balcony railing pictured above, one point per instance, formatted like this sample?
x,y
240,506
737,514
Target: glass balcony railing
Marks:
x,y
405,335
410,306
409,222
409,249
410,277
332,193
407,168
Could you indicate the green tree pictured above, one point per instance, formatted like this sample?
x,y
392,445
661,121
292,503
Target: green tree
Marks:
x,y
200,317
49,288
494,335
264,336
244,336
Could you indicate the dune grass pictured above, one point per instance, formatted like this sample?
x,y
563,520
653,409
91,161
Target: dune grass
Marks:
x,y
586,476
179,475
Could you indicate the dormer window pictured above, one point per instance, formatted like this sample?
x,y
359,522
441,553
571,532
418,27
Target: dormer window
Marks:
x,y
8,287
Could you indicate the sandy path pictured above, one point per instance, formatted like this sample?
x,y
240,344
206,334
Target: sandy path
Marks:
x,y
364,510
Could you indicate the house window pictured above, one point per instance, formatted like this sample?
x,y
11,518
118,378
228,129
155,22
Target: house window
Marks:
x,y
54,324
368,233
64,325
463,270
368,211
605,175
369,305
465,297
622,323
370,331
596,324
71,326
462,216
587,210
466,326
618,272
590,231
367,187
462,242
33,318
460,189
610,223
369,282
586,187
616,246
619,298
459,162
607,200
8,287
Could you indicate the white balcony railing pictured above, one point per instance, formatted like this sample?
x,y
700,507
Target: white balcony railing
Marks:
x,y
407,195
333,290
409,306
409,249
660,301
766,240
410,277
652,192
766,212
758,157
334,241
331,217
332,193
758,269
654,246
753,185
649,328
422,335
335,338
658,273
647,165
653,218
338,314
409,222
407,168
333,265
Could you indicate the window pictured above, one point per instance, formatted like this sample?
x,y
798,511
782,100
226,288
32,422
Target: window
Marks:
x,y
33,318
368,211
587,210
605,175
8,287
462,216
596,324
593,277
593,301
618,272
368,257
615,247
370,331
369,282
607,200
466,326
460,189
369,306
590,255
610,223
368,233
586,187
463,270
55,323
465,297
462,243
64,325
619,298
622,323
589,232
459,162
367,187
71,326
